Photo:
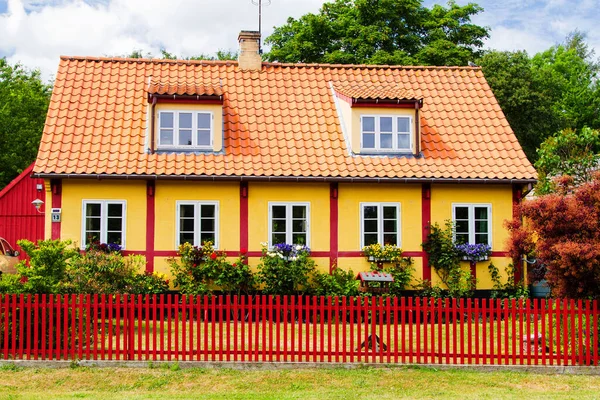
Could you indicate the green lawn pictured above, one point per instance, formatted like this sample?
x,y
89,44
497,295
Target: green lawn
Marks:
x,y
163,383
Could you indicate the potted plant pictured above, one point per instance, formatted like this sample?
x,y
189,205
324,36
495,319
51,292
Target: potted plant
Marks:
x,y
388,253
474,252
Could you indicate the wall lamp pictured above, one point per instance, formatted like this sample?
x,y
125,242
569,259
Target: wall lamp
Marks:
x,y
37,203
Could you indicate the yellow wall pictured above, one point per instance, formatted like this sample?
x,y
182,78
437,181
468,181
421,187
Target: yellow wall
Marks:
x,y
226,193
134,192
216,109
261,193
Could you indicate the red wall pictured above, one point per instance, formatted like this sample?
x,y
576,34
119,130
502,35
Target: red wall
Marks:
x,y
18,217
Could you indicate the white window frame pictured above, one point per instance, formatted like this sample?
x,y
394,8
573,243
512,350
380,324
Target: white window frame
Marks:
x,y
103,220
194,130
197,220
288,217
395,148
471,207
380,219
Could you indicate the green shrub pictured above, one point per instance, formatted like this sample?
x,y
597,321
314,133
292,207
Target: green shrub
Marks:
x,y
202,270
510,289
338,283
286,269
150,283
402,271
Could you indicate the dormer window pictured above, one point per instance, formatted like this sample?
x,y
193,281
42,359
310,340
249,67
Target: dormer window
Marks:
x,y
386,133
185,129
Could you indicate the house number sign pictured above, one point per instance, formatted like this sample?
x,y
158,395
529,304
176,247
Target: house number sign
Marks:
x,y
56,214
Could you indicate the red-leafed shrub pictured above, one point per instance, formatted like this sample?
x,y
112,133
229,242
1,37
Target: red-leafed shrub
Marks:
x,y
562,230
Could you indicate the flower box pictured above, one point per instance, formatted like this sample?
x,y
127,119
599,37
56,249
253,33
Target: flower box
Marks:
x,y
482,258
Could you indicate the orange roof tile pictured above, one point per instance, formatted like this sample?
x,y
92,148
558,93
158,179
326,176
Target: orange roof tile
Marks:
x,y
368,90
184,88
278,122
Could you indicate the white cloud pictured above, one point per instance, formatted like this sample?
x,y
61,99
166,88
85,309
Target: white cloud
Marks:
x,y
37,32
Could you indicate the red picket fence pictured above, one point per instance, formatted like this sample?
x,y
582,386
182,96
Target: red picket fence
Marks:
x,y
299,329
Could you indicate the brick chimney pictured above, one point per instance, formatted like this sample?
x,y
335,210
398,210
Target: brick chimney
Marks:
x,y
249,57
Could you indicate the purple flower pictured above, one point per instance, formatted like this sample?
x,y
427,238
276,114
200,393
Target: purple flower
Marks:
x,y
474,251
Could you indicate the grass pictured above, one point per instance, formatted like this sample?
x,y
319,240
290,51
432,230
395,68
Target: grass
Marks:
x,y
172,383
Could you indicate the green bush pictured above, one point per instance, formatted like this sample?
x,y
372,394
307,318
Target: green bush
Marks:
x,y
338,283
402,271
202,270
286,270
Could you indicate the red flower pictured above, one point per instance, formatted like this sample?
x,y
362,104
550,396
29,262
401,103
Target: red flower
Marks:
x,y
23,279
195,265
234,265
213,256
244,250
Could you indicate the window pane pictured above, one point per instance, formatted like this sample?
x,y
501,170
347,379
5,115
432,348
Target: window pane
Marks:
x,y
278,238
278,225
203,121
481,238
390,238
114,237
207,225
403,141
462,226
185,138
207,237
385,141
370,225
115,210
299,212
403,124
91,237
390,226
186,225
186,210
461,212
166,136
114,224
92,210
298,226
370,239
481,226
370,212
462,238
203,137
368,140
185,120
278,211
186,238
481,212
385,124
92,224
368,124
389,212
166,120
299,238
207,210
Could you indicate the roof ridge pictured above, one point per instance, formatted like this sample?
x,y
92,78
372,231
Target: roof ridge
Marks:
x,y
270,64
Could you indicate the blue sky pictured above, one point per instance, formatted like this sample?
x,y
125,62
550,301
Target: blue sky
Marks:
x,y
37,32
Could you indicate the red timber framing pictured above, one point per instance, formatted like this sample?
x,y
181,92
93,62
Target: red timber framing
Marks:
x,y
425,222
150,224
56,188
244,218
333,225
517,194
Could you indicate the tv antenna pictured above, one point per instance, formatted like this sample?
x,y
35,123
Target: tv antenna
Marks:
x,y
260,4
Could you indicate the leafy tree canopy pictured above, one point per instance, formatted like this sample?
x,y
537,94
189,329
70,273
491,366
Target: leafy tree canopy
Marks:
x,y
555,90
569,152
23,106
381,32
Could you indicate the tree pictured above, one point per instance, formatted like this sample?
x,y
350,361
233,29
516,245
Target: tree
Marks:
x,y
381,32
569,152
563,233
166,55
23,107
556,89
521,95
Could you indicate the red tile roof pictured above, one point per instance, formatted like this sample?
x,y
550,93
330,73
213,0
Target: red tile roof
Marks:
x,y
185,88
279,122
369,90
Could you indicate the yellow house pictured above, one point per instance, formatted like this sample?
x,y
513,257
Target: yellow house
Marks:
x,y
154,153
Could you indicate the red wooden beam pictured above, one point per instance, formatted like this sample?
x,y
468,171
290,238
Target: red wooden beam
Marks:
x,y
425,222
56,187
333,225
150,224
